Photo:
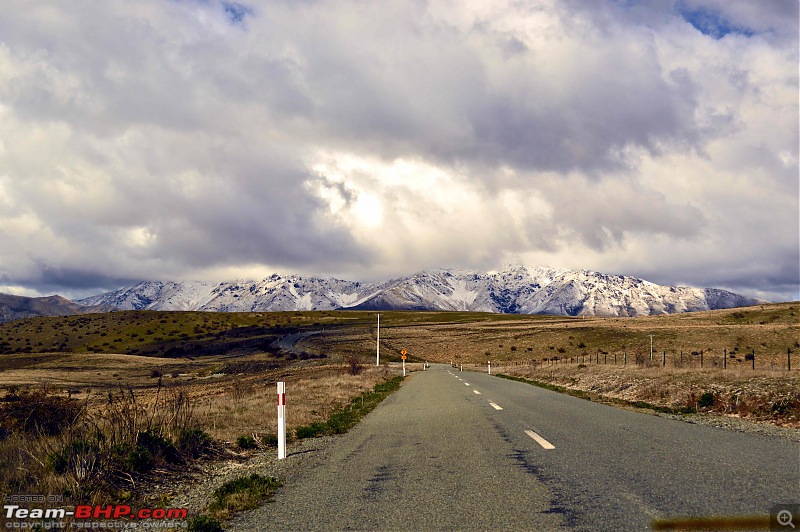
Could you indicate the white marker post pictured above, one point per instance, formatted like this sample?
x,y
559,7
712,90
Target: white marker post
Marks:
x,y
490,367
378,344
281,420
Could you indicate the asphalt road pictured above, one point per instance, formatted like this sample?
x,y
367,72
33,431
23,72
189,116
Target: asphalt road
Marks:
x,y
454,450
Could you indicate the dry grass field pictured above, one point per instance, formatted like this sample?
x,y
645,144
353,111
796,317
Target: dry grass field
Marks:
x,y
769,330
693,354
150,391
95,419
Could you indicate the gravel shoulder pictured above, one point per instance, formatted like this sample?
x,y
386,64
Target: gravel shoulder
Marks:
x,y
193,489
737,424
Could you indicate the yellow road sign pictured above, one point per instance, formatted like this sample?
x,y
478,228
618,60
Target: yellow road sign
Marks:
x,y
403,357
403,352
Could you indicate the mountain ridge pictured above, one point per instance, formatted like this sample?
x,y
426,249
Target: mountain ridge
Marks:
x,y
515,289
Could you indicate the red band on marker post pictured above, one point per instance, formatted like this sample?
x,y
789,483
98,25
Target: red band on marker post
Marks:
x,y
281,420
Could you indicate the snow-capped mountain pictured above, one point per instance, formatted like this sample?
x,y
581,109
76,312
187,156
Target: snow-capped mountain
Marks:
x,y
273,293
513,290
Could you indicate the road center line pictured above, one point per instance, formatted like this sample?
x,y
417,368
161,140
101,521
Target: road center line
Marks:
x,y
496,406
538,439
476,392
466,383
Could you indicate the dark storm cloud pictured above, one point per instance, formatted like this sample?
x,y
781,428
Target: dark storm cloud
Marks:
x,y
457,95
47,280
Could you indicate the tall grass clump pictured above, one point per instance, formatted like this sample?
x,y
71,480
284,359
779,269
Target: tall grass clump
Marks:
x,y
62,446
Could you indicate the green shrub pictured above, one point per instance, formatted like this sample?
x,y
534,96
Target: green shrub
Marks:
x,y
72,454
270,439
706,400
194,443
203,523
158,445
246,442
310,431
138,460
243,493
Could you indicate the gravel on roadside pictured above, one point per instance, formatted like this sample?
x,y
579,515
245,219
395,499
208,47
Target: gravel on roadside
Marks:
x,y
193,490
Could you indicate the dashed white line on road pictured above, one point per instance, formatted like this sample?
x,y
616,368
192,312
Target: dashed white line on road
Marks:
x,y
538,439
476,392
466,383
496,406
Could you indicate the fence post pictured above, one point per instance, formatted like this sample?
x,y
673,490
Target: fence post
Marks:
x,y
663,359
490,367
754,359
625,360
725,358
789,358
281,420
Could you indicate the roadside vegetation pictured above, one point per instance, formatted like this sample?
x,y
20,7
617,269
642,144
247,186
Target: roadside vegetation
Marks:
x,y
107,446
93,451
345,417
761,395
97,406
100,421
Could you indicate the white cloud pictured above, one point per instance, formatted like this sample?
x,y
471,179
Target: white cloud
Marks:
x,y
180,140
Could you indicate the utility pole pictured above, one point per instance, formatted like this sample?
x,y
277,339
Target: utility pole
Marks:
x,y
378,344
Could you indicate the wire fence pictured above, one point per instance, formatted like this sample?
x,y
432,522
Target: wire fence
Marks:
x,y
679,359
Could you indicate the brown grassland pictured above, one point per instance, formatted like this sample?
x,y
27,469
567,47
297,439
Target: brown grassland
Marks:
x,y
727,362
151,391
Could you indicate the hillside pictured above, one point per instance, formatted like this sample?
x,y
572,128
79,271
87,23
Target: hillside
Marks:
x,y
17,307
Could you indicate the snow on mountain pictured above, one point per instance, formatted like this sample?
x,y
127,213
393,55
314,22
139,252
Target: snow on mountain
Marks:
x,y
513,290
273,293
156,296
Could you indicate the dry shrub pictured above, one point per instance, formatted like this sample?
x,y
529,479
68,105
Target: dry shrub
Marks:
x,y
355,365
96,452
37,412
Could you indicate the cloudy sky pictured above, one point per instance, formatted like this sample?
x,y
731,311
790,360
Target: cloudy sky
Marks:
x,y
214,140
